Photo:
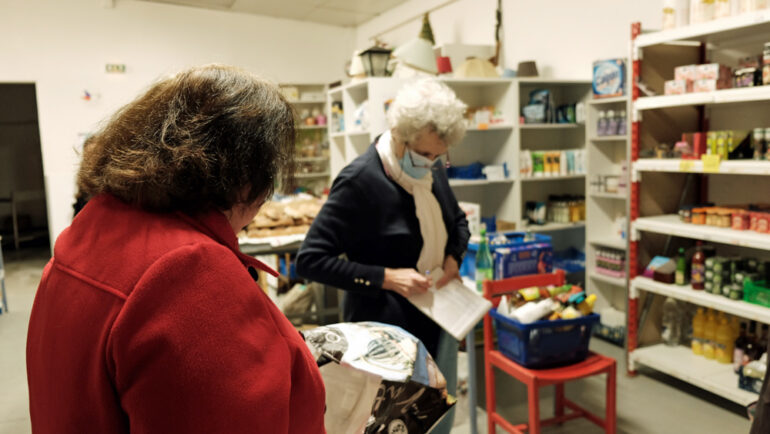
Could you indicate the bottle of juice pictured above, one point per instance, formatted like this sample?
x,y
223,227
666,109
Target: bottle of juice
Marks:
x,y
698,270
724,342
709,335
681,268
698,324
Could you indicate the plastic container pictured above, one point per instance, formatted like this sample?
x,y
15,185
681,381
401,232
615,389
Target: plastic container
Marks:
x,y
544,344
756,292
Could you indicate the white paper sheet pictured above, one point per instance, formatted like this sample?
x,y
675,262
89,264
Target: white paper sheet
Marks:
x,y
455,307
350,395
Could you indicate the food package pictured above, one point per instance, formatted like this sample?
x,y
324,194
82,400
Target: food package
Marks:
x,y
709,85
712,71
513,261
676,87
686,72
290,216
378,379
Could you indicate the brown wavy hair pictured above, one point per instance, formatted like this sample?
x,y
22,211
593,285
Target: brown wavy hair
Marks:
x,y
209,137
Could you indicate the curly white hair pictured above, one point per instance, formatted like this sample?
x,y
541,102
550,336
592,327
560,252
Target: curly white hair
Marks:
x,y
427,103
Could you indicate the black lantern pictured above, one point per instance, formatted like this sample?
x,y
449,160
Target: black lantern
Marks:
x,y
375,60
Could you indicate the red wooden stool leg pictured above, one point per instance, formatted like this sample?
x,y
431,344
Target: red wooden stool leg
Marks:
x,y
610,421
558,407
533,394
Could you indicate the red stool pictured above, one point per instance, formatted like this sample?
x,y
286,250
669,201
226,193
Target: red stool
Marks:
x,y
534,379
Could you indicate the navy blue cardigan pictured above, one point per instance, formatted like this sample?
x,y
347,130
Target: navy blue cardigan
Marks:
x,y
371,220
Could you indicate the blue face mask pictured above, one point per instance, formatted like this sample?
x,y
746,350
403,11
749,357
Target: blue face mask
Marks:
x,y
415,165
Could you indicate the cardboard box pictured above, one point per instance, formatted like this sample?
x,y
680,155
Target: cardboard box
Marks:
x,y
676,87
713,71
520,260
686,72
709,85
609,78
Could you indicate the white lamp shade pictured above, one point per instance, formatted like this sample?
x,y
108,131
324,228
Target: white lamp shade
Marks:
x,y
356,65
417,53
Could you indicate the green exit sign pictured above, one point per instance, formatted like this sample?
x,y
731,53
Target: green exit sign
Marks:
x,y
115,68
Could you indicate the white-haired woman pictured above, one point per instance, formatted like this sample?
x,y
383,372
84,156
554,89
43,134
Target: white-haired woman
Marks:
x,y
393,215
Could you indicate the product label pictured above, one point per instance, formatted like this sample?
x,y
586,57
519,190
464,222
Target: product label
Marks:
x,y
698,273
680,277
711,163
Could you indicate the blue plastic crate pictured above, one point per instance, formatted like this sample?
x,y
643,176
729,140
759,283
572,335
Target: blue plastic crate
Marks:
x,y
468,267
544,344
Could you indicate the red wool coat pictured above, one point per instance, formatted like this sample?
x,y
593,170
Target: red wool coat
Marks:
x,y
151,323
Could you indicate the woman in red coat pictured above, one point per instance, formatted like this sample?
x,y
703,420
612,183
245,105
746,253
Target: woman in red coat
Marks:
x,y
148,319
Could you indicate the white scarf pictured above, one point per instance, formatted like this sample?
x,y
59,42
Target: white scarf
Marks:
x,y
432,227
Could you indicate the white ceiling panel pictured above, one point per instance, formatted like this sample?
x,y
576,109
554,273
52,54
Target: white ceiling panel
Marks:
x,y
345,13
372,7
338,17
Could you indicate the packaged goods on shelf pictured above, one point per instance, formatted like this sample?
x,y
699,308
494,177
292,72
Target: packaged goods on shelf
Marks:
x,y
552,163
285,216
611,123
766,64
612,325
541,109
494,172
558,209
611,262
609,78
752,217
483,117
608,184
528,254
337,117
677,87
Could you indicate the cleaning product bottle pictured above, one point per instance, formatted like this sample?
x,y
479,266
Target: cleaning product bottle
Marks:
x,y
484,265
698,324
587,305
709,335
724,342
670,331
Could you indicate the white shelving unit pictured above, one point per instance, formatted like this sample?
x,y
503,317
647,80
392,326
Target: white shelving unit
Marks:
x,y
702,298
606,211
312,140
553,137
672,225
490,144
660,186
681,363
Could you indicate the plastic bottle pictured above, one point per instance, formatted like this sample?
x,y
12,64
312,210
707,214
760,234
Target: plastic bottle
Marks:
x,y
709,335
532,312
601,124
612,123
750,349
484,270
698,269
724,342
739,348
698,324
681,268
671,332
622,123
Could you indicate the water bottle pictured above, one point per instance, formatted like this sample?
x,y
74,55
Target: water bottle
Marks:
x,y
484,270
670,332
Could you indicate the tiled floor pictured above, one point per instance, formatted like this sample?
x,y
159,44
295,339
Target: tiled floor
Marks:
x,y
650,403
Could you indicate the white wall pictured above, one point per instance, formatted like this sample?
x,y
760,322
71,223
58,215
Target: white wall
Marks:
x,y
62,46
563,36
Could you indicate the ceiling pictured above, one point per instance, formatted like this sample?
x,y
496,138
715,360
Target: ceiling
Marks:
x,y
345,13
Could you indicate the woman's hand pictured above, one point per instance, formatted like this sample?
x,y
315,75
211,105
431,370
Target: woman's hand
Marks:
x,y
405,281
451,272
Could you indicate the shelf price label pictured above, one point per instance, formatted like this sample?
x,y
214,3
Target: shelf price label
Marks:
x,y
686,165
711,163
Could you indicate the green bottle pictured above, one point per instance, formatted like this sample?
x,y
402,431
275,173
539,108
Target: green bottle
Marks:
x,y
484,264
681,268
